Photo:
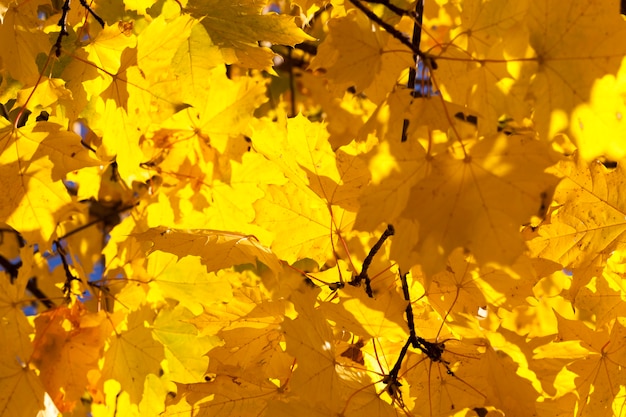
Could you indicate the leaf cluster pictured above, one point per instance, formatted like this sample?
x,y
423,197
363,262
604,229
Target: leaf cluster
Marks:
x,y
197,200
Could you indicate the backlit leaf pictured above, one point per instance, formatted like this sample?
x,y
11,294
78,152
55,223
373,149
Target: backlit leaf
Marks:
x,y
478,203
218,250
238,27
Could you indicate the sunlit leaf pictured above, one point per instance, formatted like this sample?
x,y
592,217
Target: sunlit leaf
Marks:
x,y
218,250
238,27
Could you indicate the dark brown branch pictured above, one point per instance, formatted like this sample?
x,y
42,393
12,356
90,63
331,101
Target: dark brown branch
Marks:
x,y
368,260
292,84
11,268
397,10
69,277
106,219
63,23
416,40
91,12
41,297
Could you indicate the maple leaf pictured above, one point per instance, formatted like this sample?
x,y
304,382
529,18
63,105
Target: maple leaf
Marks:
x,y
38,155
218,250
195,160
571,55
231,395
217,123
133,353
437,392
21,390
194,61
185,280
603,297
590,219
485,61
238,27
68,344
310,336
596,365
354,54
184,347
597,124
473,204
396,167
159,42
15,326
382,317
328,180
23,40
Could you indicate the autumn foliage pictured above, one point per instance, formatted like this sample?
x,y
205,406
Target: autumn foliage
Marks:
x,y
312,208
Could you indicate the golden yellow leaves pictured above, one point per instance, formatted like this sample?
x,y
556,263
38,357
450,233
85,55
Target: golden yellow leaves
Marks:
x,y
33,161
571,54
68,344
218,250
589,219
474,197
597,125
22,41
353,45
237,28
318,199
191,293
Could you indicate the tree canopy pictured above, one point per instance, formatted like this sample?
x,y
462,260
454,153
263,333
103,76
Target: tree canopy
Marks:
x,y
312,208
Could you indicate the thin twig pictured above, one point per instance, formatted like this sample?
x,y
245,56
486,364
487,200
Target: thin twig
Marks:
x,y
389,28
416,40
31,286
368,260
397,10
11,268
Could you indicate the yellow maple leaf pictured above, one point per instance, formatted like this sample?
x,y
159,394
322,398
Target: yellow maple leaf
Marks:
x,y
356,54
320,198
22,40
15,326
223,396
379,318
184,348
283,211
596,364
120,141
597,125
239,27
395,168
218,250
194,61
590,219
185,280
37,156
47,92
68,344
436,392
21,391
105,50
478,201
571,55
484,62
133,353
222,111
310,340
159,42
